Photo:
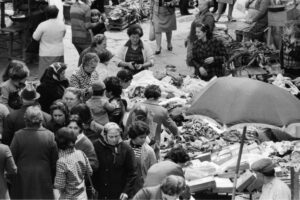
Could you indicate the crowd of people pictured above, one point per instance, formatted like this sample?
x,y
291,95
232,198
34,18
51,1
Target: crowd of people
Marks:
x,y
66,137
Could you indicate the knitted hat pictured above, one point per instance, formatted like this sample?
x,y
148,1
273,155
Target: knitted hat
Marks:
x,y
264,165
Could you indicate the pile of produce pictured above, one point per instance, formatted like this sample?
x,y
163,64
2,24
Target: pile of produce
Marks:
x,y
251,54
133,8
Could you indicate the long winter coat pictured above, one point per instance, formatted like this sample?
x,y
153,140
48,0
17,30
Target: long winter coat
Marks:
x,y
117,170
35,153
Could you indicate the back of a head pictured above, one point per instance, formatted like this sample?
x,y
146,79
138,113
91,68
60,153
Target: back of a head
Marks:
x,y
52,12
90,57
152,91
65,138
178,155
173,185
16,70
83,112
113,85
33,116
125,75
138,128
140,112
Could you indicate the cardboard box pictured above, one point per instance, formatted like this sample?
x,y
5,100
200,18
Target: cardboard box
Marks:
x,y
223,185
202,184
204,157
245,180
257,184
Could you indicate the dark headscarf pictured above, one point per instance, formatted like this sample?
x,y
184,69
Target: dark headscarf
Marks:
x,y
53,72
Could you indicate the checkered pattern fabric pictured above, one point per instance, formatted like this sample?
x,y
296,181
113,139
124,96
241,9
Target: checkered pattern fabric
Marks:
x,y
289,55
71,169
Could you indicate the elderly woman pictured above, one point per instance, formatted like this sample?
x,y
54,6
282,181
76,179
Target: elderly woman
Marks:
x,y
7,164
50,34
98,46
72,97
205,17
117,173
273,188
113,93
170,189
35,152
135,55
209,54
16,74
86,75
69,180
53,85
144,154
60,115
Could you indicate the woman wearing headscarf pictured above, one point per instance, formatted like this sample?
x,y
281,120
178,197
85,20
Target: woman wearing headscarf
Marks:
x,y
53,85
117,172
273,188
35,152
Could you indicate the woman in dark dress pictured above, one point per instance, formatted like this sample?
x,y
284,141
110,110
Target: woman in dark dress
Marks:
x,y
35,152
53,85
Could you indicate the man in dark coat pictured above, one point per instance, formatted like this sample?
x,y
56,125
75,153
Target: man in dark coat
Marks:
x,y
15,120
117,172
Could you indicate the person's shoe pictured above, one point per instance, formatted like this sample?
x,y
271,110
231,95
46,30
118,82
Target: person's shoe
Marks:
x,y
230,19
170,48
187,13
158,51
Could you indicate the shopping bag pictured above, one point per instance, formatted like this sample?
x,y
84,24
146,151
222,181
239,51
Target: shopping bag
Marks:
x,y
152,32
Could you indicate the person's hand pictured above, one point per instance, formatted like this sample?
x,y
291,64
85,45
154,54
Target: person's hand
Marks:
x,y
209,60
123,196
203,71
130,65
139,66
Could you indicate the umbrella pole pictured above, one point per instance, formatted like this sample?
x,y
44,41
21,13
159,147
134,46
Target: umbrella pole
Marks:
x,y
238,163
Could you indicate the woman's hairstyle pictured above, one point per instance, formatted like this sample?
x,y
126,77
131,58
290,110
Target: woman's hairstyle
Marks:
x,y
173,185
77,120
75,91
90,57
98,39
83,112
178,155
204,28
125,75
138,128
60,105
135,29
51,12
111,126
16,70
95,12
152,91
65,138
33,116
140,112
113,85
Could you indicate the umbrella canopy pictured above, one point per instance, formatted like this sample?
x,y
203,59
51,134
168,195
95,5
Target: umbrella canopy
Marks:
x,y
231,100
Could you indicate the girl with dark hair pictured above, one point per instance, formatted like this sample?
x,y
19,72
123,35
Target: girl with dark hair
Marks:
x,y
209,54
144,154
15,77
113,92
70,180
135,55
90,127
60,114
53,85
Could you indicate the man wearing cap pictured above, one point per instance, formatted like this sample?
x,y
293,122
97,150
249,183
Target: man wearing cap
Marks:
x,y
273,188
15,120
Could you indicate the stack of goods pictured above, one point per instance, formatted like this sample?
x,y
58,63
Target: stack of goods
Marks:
x,y
284,83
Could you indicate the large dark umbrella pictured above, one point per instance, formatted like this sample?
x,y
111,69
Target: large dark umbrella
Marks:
x,y
231,100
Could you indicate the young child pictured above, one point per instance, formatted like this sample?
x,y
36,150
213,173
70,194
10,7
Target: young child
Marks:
x,y
99,104
95,18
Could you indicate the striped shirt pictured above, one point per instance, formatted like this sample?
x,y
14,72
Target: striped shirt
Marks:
x,y
71,169
80,18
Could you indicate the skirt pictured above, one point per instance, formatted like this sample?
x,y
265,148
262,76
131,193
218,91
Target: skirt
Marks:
x,y
164,23
46,61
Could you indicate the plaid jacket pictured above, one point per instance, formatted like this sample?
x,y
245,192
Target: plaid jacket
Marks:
x,y
291,54
210,48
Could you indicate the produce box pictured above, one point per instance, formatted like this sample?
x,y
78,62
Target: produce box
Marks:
x,y
202,184
245,180
223,185
256,184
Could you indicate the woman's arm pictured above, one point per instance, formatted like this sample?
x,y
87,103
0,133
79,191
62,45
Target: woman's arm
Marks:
x,y
149,62
60,177
10,165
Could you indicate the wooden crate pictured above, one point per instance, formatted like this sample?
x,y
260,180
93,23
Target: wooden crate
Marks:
x,y
121,24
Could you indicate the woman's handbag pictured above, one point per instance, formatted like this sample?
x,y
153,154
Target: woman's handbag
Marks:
x,y
94,192
14,100
152,32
